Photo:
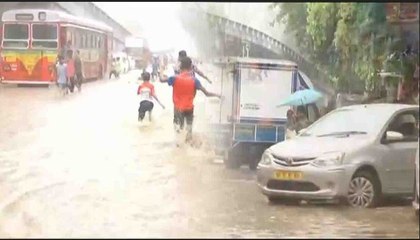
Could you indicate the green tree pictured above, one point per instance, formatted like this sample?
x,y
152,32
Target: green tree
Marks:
x,y
348,41
293,15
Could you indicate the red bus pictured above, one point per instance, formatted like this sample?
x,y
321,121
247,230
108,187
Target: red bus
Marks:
x,y
33,38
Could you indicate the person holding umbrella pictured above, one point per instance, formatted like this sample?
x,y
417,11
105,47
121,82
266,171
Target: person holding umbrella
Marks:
x,y
302,121
290,124
300,99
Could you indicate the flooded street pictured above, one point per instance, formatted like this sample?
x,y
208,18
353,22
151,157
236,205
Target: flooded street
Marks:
x,y
82,166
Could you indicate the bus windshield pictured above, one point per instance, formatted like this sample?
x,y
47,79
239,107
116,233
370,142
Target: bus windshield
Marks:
x,y
16,35
16,31
44,36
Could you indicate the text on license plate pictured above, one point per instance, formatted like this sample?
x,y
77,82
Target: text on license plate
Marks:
x,y
288,175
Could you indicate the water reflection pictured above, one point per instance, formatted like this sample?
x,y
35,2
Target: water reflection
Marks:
x,y
83,167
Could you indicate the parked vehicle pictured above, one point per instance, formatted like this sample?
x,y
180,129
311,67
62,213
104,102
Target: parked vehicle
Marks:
x,y
138,49
123,59
416,183
359,153
249,119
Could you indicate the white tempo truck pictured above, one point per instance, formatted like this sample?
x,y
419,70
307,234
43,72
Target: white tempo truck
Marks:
x,y
248,120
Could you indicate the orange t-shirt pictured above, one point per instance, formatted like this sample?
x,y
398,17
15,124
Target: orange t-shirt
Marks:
x,y
184,86
70,68
146,91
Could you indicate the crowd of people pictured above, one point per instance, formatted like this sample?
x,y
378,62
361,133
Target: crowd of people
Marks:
x,y
69,71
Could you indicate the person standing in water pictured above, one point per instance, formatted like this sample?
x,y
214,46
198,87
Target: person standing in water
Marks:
x,y
194,69
147,93
185,86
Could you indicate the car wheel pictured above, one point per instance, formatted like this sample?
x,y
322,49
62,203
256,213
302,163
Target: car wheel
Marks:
x,y
282,200
363,190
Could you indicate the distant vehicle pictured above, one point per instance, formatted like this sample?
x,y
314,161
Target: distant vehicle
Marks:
x,y
359,153
138,49
416,183
124,61
33,38
248,120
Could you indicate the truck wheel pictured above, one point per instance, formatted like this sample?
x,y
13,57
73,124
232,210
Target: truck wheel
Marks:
x,y
231,160
255,157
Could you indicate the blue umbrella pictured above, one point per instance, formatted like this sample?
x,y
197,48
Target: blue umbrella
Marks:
x,y
302,97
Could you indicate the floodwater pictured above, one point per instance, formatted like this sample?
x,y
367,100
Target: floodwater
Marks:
x,y
82,166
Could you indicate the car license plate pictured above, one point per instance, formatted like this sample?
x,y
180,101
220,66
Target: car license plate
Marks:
x,y
288,175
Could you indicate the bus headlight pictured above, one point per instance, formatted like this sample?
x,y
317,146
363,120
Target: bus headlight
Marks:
x,y
6,67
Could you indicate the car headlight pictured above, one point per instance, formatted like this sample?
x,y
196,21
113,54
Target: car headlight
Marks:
x,y
329,159
265,159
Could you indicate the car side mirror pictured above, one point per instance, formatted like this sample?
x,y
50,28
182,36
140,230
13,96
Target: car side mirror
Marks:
x,y
392,136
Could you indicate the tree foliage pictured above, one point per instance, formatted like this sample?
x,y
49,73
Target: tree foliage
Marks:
x,y
350,41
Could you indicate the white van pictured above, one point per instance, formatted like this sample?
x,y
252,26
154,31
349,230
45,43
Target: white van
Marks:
x,y
124,61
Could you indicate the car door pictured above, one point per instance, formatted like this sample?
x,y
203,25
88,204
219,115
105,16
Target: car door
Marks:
x,y
399,156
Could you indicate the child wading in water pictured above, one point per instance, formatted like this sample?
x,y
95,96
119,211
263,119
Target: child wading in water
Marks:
x,y
147,92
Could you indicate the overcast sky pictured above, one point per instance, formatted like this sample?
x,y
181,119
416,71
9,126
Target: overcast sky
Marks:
x,y
159,22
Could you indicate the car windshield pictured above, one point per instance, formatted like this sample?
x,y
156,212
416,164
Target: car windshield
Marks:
x,y
347,121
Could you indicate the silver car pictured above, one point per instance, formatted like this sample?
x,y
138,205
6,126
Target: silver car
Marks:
x,y
358,153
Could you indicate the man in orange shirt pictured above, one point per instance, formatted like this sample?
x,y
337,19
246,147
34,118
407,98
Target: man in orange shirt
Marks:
x,y
185,86
70,70
147,92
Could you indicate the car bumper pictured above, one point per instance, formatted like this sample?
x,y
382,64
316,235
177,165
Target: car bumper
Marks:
x,y
316,183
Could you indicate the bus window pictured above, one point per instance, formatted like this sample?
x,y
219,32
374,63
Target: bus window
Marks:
x,y
45,36
76,40
73,38
68,38
84,40
92,41
100,42
88,43
16,35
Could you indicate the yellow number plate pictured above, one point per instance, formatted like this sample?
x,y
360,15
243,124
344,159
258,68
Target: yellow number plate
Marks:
x,y
288,175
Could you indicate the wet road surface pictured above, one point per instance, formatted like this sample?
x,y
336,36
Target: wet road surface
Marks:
x,y
82,166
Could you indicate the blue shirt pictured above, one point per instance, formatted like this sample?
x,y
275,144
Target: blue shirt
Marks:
x,y
197,83
177,70
62,73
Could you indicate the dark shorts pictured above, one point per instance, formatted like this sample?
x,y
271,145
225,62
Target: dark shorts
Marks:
x,y
180,117
145,106
79,78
